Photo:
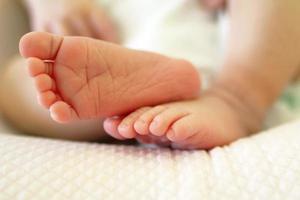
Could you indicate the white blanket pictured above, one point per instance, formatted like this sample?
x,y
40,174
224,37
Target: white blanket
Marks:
x,y
265,166
262,167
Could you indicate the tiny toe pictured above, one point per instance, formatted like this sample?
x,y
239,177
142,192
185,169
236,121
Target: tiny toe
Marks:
x,y
46,99
111,127
144,139
40,45
44,83
164,120
36,67
126,128
193,132
181,129
62,112
143,122
141,127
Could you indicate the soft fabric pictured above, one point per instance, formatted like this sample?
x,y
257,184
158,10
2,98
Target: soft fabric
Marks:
x,y
177,28
265,166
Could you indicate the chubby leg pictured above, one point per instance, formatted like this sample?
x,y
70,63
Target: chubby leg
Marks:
x,y
19,105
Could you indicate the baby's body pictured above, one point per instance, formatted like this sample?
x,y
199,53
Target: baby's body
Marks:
x,y
154,98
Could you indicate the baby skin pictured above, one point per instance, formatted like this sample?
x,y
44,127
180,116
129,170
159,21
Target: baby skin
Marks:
x,y
79,78
255,71
208,121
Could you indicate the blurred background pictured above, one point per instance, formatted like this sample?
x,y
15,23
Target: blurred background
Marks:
x,y
14,23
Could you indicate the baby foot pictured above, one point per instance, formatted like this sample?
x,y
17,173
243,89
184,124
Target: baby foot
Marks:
x,y
83,78
215,119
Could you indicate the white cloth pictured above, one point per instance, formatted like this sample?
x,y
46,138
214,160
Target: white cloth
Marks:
x,y
178,28
265,166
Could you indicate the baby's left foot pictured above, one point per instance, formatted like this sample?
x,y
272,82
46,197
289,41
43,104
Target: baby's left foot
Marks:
x,y
215,119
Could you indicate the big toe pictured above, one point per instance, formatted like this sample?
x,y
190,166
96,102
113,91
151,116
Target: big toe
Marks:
x,y
41,45
61,112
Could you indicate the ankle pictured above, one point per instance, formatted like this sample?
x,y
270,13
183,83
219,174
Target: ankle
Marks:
x,y
249,113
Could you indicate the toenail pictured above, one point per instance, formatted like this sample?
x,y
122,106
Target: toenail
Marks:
x,y
170,134
141,122
154,124
123,127
157,119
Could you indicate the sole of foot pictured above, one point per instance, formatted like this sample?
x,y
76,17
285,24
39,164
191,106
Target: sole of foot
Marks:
x,y
83,78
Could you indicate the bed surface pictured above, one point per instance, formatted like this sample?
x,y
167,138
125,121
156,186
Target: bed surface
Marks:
x,y
265,166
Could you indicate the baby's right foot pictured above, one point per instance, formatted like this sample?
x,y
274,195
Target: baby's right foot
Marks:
x,y
82,78
216,118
